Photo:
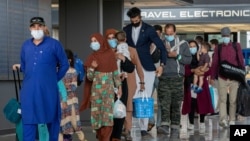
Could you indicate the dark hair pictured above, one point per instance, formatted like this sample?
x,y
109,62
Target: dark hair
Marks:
x,y
120,36
70,56
134,12
168,25
199,39
206,45
214,41
158,27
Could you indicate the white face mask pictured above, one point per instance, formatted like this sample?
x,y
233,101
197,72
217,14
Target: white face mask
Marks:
x,y
37,34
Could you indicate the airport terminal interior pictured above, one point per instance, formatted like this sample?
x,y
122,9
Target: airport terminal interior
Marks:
x,y
186,30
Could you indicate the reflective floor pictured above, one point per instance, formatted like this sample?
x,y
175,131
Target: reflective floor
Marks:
x,y
213,132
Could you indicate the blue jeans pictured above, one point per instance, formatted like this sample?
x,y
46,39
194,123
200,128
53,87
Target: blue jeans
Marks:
x,y
152,120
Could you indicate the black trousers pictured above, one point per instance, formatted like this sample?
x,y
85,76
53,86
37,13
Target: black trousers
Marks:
x,y
118,122
192,112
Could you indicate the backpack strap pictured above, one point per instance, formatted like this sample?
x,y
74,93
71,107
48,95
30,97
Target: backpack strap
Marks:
x,y
234,44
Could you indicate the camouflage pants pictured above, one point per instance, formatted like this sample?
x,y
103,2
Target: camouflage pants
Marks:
x,y
170,91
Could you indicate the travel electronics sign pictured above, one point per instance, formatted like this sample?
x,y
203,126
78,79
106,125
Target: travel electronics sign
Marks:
x,y
225,14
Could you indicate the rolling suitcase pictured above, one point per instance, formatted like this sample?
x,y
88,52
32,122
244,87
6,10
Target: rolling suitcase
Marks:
x,y
12,109
12,112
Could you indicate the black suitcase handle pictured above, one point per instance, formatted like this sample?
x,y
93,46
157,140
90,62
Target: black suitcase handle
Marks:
x,y
17,80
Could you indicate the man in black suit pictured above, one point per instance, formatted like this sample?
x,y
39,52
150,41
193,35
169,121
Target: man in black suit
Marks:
x,y
140,35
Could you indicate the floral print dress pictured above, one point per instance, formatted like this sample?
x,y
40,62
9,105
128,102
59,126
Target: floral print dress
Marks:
x,y
102,97
70,121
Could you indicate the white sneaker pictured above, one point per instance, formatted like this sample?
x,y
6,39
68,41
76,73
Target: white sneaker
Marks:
x,y
223,123
184,134
232,123
190,127
202,128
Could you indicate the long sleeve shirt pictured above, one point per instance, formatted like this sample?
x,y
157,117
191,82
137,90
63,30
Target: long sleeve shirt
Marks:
x,y
227,53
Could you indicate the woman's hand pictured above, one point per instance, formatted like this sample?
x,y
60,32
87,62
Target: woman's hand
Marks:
x,y
94,64
120,56
119,92
197,71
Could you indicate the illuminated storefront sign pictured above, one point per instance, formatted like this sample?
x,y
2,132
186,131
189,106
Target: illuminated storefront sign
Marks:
x,y
232,14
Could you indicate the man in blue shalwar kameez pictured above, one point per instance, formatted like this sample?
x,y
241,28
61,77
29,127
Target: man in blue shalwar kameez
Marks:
x,y
40,101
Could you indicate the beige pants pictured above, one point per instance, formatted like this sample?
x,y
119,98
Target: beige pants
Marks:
x,y
73,122
224,86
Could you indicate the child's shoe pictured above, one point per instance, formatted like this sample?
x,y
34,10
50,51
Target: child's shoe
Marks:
x,y
198,90
194,87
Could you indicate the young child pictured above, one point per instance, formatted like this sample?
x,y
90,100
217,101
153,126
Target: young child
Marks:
x,y
203,65
70,121
122,47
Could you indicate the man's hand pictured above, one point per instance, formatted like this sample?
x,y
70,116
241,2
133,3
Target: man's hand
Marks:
x,y
172,54
142,86
15,66
159,71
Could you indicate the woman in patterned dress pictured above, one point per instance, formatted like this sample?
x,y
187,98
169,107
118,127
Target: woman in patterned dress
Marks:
x,y
70,121
102,77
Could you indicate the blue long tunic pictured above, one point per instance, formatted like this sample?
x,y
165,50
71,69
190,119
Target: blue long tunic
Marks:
x,y
40,102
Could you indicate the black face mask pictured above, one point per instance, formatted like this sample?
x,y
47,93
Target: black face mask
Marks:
x,y
136,24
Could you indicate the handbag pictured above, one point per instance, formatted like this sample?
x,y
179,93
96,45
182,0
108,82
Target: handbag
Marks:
x,y
156,54
243,100
143,107
214,96
229,70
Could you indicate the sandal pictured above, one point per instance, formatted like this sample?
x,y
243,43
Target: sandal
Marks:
x,y
150,126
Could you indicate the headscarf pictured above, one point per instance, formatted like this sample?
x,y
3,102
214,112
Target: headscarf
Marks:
x,y
110,31
106,61
104,56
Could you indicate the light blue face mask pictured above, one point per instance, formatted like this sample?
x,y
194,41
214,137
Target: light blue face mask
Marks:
x,y
193,50
169,38
112,43
226,40
95,46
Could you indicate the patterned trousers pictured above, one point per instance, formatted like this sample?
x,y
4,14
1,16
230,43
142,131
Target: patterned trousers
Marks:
x,y
170,91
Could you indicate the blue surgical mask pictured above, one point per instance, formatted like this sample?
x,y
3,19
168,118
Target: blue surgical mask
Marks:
x,y
112,43
193,50
226,40
169,38
95,46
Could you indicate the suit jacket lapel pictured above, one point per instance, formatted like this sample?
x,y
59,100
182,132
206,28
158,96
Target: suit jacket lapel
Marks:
x,y
141,34
129,36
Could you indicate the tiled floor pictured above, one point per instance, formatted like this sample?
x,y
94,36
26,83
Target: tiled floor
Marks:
x,y
213,133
